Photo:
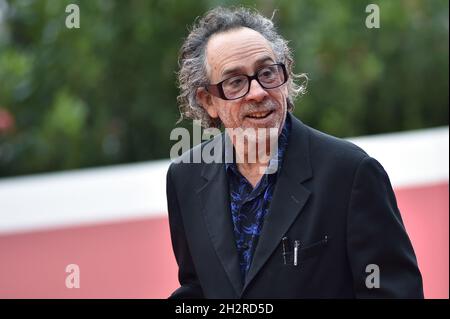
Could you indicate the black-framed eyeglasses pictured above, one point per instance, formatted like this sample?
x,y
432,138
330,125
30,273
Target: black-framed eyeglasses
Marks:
x,y
269,77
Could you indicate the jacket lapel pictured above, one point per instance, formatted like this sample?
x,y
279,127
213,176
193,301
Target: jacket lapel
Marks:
x,y
216,211
289,197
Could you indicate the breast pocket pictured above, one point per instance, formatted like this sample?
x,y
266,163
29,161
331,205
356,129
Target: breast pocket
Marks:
x,y
313,249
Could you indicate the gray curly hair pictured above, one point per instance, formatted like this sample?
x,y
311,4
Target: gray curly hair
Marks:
x,y
192,60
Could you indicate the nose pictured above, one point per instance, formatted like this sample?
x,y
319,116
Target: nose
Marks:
x,y
257,93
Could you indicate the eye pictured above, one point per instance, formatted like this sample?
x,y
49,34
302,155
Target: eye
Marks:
x,y
235,83
267,73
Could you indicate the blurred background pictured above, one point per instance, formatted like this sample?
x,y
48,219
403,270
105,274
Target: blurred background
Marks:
x,y
86,114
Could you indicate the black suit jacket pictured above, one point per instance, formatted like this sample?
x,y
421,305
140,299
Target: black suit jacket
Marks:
x,y
330,195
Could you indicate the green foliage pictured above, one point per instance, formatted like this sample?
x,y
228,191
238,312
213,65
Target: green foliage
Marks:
x,y
106,93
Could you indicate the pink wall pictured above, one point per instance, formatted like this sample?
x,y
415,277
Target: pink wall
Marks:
x,y
133,259
425,212
120,260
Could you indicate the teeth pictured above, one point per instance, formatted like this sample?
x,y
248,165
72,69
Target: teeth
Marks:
x,y
259,114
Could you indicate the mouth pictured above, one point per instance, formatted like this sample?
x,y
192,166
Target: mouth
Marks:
x,y
259,115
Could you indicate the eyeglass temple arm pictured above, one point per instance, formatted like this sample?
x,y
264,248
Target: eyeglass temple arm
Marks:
x,y
214,90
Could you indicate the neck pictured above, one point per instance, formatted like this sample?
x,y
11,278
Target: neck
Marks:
x,y
253,149
253,165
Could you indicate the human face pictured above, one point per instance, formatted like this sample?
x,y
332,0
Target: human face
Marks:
x,y
243,51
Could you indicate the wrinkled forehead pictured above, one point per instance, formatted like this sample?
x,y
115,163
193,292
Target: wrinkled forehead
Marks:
x,y
238,50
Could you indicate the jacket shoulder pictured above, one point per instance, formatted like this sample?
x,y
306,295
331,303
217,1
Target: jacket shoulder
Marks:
x,y
334,148
193,160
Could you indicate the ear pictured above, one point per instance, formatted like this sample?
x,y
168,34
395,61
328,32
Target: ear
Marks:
x,y
206,101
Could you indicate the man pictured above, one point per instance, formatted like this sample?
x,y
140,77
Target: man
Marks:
x,y
323,224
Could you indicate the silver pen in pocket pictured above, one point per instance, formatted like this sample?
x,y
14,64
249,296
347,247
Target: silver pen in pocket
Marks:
x,y
285,243
296,246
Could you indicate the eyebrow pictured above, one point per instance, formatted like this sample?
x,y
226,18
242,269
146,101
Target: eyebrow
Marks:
x,y
239,68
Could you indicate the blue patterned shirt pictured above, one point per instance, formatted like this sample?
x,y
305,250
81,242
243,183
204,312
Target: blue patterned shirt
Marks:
x,y
250,205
